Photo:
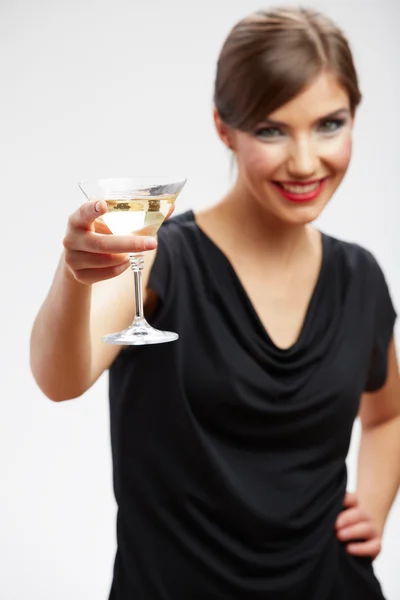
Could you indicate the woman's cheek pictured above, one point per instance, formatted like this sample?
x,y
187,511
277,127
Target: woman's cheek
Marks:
x,y
342,154
262,161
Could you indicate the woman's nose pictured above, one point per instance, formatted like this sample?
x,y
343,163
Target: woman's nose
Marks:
x,y
303,161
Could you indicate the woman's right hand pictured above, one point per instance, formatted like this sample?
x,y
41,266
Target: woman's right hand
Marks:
x,y
92,253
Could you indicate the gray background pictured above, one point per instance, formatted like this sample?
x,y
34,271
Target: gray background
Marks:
x,y
111,89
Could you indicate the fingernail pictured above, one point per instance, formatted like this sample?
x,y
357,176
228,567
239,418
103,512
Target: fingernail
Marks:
x,y
97,206
150,243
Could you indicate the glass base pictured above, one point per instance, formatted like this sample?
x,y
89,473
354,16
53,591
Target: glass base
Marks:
x,y
140,334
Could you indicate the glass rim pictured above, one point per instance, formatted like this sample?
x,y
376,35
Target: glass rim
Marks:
x,y
167,179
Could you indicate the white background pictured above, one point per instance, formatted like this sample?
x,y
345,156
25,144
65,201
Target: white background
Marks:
x,y
112,89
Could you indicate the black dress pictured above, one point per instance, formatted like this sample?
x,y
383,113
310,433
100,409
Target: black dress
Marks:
x,y
228,452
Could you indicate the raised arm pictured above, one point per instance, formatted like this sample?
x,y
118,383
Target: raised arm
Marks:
x,y
91,295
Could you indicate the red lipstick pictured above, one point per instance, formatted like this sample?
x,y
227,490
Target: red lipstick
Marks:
x,y
298,196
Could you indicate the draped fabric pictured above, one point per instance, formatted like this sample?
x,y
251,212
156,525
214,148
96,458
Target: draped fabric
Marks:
x,y
228,452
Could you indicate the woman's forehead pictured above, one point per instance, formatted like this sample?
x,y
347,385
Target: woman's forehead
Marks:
x,y
323,96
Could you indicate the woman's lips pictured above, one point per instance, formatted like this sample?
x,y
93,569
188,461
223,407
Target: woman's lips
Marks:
x,y
300,192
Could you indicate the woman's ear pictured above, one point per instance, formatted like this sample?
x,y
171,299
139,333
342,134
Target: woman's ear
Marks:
x,y
225,133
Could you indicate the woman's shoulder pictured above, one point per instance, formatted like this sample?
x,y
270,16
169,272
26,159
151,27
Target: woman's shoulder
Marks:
x,y
357,268
357,256
179,222
176,232
177,236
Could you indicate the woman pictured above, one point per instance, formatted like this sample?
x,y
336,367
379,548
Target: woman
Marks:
x,y
229,445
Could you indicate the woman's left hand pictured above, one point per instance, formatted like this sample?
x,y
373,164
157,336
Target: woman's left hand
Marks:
x,y
354,525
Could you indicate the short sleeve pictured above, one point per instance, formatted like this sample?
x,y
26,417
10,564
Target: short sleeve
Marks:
x,y
384,320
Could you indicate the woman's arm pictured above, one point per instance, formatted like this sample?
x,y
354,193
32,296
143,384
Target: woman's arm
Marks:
x,y
378,480
86,300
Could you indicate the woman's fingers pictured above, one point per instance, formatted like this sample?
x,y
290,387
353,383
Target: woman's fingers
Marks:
x,y
355,526
350,500
349,517
92,253
88,217
369,548
76,259
101,227
85,215
82,233
363,530
89,276
107,244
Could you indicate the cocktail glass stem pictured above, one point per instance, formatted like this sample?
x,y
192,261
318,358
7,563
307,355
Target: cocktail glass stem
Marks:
x,y
137,261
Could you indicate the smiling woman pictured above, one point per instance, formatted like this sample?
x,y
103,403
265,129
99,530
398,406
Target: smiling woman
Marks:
x,y
300,152
229,445
264,65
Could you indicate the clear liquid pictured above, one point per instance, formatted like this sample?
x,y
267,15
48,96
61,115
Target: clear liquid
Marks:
x,y
140,215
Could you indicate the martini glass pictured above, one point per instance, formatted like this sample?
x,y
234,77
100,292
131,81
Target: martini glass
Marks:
x,y
137,206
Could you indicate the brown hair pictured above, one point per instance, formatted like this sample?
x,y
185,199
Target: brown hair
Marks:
x,y
270,56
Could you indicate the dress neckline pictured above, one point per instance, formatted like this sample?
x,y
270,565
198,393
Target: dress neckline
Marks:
x,y
249,304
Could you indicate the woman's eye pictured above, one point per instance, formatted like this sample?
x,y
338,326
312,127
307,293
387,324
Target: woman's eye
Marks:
x,y
268,132
332,125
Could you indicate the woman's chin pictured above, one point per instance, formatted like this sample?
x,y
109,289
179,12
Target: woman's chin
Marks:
x,y
295,212
299,214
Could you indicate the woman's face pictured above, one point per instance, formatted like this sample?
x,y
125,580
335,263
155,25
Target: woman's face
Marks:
x,y
294,161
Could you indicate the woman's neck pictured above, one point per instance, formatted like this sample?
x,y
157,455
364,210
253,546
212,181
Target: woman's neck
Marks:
x,y
246,226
